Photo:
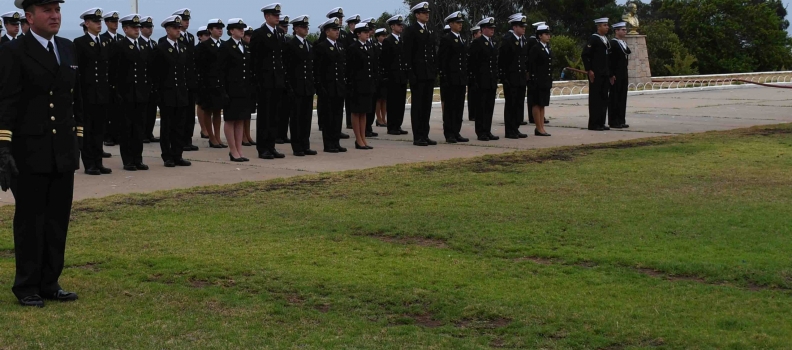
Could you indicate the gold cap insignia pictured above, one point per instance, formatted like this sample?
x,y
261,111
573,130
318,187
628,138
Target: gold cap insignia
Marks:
x,y
426,5
341,11
401,18
524,19
219,21
115,14
16,15
186,12
277,7
178,19
337,21
492,20
286,18
149,20
136,19
98,13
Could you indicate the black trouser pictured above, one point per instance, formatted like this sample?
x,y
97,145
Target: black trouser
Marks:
x,y
598,101
113,120
95,122
454,110
332,112
131,133
267,119
515,113
530,107
150,118
284,114
421,108
617,105
474,102
348,119
41,221
486,107
300,123
370,117
189,119
397,100
172,132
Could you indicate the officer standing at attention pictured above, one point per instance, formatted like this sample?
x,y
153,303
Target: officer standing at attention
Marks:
x,y
513,74
395,74
299,58
540,69
146,30
234,62
11,22
473,94
619,58
532,41
483,66
203,34
380,103
211,94
419,49
94,55
352,23
266,48
453,59
188,42
129,62
373,47
344,39
595,59
25,26
169,74
114,109
284,107
330,82
40,133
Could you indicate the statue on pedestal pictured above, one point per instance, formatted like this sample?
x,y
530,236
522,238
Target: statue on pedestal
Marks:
x,y
630,16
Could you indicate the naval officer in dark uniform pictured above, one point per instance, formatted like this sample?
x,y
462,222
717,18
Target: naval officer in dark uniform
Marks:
x,y
395,74
453,62
284,107
483,66
540,69
11,22
419,49
187,40
146,31
170,76
619,58
513,74
94,55
299,59
595,59
344,39
330,82
236,81
114,108
267,55
40,133
475,33
211,98
129,62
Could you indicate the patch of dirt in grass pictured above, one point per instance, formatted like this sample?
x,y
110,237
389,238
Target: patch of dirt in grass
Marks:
x,y
419,241
493,323
323,308
768,131
497,343
538,260
90,266
196,283
682,278
86,209
426,320
6,253
295,299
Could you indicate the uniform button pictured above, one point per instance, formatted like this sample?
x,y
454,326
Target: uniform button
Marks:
x,y
54,131
50,93
52,118
52,105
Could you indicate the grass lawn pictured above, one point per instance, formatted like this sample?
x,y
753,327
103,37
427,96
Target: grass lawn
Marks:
x,y
673,243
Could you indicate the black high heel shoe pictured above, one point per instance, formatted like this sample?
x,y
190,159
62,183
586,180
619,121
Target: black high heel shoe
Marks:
x,y
211,145
537,133
238,160
359,146
382,125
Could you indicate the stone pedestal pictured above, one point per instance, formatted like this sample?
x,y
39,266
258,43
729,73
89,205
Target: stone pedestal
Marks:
x,y
638,67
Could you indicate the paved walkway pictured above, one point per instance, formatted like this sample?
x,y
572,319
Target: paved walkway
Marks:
x,y
648,115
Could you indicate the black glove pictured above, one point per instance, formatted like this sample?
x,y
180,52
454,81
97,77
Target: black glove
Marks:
x,y
8,168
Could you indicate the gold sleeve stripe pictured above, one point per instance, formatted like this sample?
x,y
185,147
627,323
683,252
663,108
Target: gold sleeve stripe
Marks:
x,y
79,128
5,138
6,132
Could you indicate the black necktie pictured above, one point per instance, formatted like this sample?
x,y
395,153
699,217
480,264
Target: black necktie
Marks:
x,y
176,45
521,42
51,49
336,46
136,45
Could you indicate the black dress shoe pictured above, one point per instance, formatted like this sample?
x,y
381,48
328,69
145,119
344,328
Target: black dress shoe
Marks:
x,y
523,123
130,167
547,121
360,147
204,136
471,119
266,155
286,140
223,145
372,134
421,143
331,150
141,166
247,144
299,154
92,171
394,132
277,154
431,142
61,295
343,136
253,143
32,300
483,138
493,137
521,135
605,127
381,125
244,159
146,141
170,164
109,143
596,128
279,141
212,145
450,140
311,152
187,148
342,149
512,136
182,162
106,155
193,147
154,139
625,126
459,138
238,160
537,133
104,170
404,132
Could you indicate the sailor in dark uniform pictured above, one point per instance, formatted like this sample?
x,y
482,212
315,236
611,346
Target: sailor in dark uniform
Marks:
x,y
170,76
284,107
619,58
189,42
267,54
299,59
420,50
24,25
114,108
237,82
453,61
532,41
352,22
511,65
202,34
361,83
129,61
395,74
595,60
11,22
473,96
93,54
247,140
146,32
483,66
330,82
344,38
540,69
380,106
211,92
40,132
373,47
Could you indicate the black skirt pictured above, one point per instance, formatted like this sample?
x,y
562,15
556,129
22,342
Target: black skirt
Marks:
x,y
540,97
382,91
237,109
211,99
360,103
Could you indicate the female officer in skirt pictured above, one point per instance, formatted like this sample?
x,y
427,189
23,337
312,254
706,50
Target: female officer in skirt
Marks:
x,y
540,67
235,63
247,140
381,107
360,83
210,97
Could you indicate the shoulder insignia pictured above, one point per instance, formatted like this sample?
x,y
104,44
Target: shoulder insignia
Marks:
x,y
456,40
234,46
181,38
104,43
301,46
516,43
170,50
131,47
421,31
589,45
269,35
92,43
361,48
331,48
